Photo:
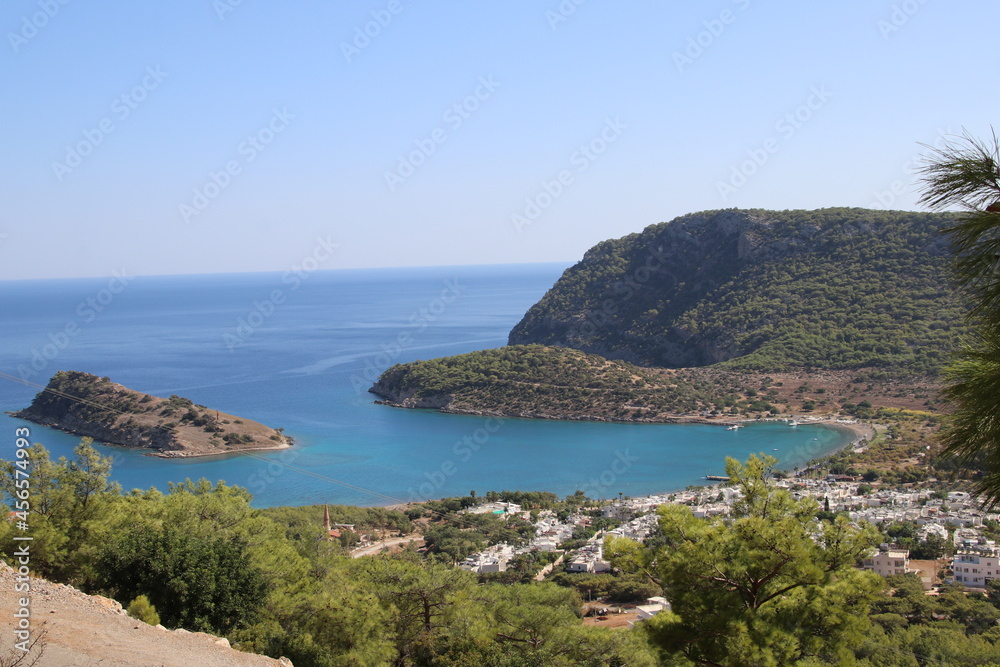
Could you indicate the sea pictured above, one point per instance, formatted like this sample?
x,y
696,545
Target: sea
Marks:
x,y
299,351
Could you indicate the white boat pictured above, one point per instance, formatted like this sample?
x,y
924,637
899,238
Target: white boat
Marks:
x,y
793,423
733,427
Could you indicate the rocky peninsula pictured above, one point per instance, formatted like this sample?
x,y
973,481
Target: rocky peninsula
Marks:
x,y
174,427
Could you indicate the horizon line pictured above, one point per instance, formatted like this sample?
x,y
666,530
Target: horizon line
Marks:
x,y
568,263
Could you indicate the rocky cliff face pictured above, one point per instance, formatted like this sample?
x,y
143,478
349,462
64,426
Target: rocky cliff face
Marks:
x,y
719,285
601,304
86,405
135,436
392,394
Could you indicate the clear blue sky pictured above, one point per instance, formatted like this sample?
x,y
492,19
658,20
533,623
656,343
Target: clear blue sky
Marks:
x,y
329,120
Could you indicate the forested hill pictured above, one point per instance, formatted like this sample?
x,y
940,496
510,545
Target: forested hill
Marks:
x,y
838,288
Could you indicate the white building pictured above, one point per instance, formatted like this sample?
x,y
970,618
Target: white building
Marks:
x,y
975,568
652,607
491,559
589,559
494,508
888,562
932,529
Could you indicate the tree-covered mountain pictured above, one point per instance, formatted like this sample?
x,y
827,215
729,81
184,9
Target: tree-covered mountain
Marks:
x,y
838,288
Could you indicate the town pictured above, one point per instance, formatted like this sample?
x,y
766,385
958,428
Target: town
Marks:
x,y
955,538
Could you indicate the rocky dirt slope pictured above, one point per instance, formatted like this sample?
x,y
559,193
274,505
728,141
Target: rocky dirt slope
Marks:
x,y
83,630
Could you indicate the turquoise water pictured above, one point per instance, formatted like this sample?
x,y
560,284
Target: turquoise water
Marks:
x,y
301,355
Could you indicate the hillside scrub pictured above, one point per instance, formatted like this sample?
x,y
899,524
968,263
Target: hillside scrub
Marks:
x,y
762,290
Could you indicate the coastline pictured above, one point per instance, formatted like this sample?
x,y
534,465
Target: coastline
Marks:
x,y
670,419
860,430
857,430
190,454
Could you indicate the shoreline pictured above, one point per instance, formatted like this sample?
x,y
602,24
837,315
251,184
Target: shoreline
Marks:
x,y
858,431
187,454
671,419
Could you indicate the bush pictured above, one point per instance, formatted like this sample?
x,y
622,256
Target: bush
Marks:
x,y
204,584
143,610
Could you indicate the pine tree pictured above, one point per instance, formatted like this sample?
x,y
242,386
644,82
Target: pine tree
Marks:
x,y
766,585
966,173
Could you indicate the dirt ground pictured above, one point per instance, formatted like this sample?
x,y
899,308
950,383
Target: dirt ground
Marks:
x,y
611,619
833,386
927,570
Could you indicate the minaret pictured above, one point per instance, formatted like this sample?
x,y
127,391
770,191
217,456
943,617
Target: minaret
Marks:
x,y
326,518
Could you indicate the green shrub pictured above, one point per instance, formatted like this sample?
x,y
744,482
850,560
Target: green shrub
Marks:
x,y
143,610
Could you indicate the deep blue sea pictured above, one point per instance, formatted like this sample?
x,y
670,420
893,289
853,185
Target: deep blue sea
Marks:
x,y
299,352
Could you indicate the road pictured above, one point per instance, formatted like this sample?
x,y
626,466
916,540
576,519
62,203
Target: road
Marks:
x,y
378,546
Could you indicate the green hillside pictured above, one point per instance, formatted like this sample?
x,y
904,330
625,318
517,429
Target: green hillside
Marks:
x,y
759,290
551,382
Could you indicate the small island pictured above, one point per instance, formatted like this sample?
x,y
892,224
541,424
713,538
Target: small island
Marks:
x,y
174,427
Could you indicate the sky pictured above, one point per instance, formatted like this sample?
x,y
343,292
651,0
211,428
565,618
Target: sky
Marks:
x,y
212,136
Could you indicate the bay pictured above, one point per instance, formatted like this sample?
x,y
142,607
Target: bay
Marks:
x,y
299,351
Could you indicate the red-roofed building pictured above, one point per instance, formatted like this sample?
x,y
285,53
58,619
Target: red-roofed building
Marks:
x,y
331,532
